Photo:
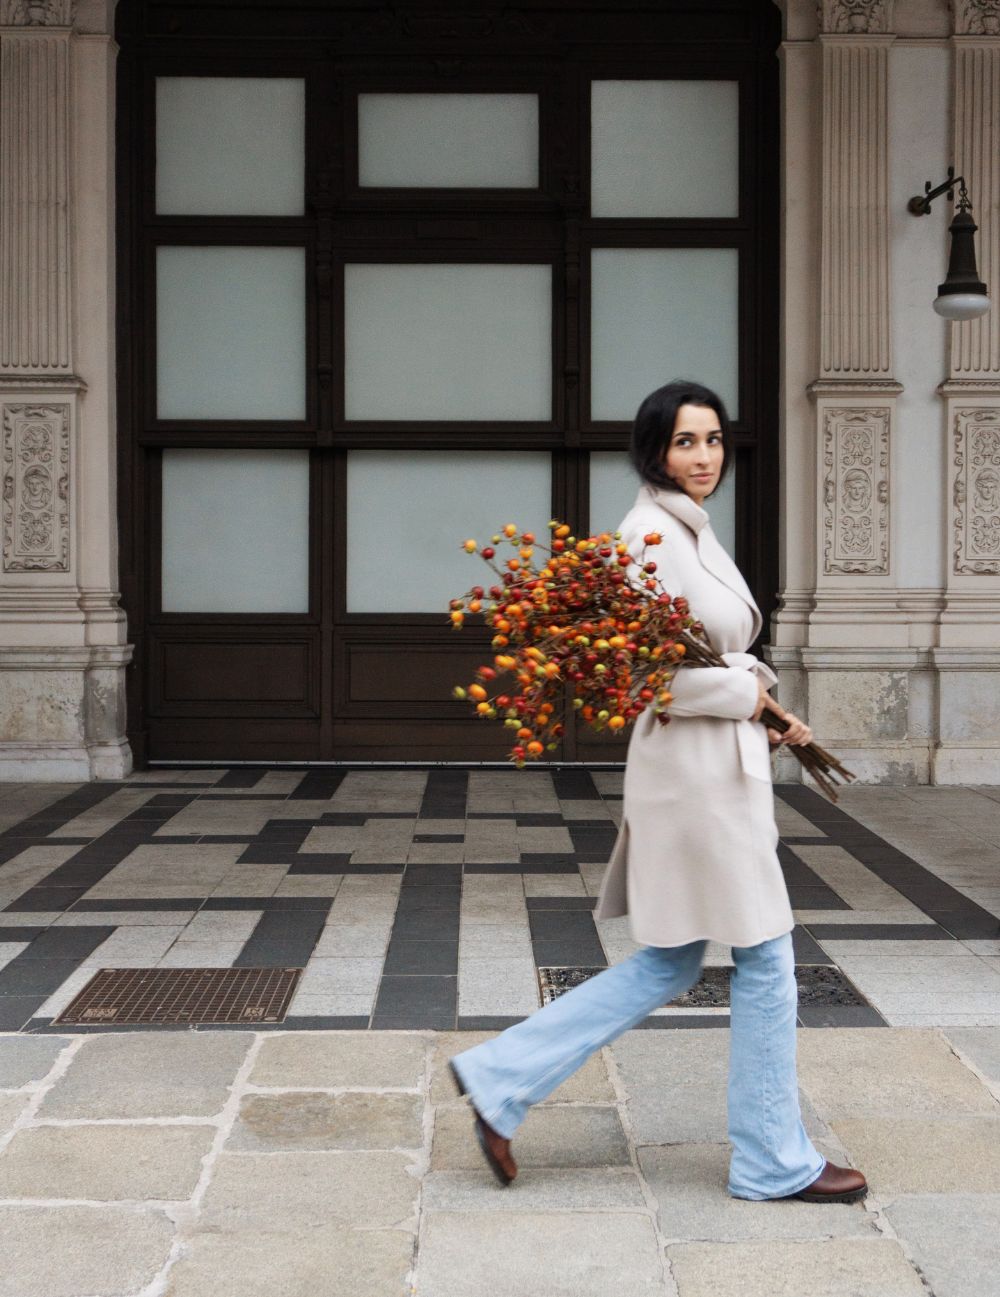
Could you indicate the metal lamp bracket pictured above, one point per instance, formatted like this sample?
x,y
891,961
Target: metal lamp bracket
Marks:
x,y
920,204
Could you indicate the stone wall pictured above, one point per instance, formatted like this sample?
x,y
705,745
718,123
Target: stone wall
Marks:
x,y
887,632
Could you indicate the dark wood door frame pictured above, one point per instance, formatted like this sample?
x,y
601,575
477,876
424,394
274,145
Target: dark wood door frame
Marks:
x,y
337,685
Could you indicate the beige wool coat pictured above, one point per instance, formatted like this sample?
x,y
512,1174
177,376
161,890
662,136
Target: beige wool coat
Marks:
x,y
696,856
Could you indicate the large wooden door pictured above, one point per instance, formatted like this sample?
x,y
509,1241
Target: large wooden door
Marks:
x,y
392,276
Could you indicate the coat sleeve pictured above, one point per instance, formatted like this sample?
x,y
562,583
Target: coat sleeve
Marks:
x,y
728,693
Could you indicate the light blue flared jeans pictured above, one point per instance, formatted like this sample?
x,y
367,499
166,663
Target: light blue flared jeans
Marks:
x,y
772,1155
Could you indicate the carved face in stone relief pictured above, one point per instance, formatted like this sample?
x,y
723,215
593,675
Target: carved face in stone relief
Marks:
x,y
857,491
986,489
36,488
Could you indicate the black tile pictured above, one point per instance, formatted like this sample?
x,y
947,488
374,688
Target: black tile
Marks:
x,y
410,957
416,900
269,853
806,949
171,903
567,952
282,938
561,902
486,1022
363,869
509,867
35,976
448,875
240,779
439,837
529,819
793,840
965,925
549,923
40,899
284,831
593,842
426,925
66,943
413,1002
840,1015
815,898
574,785
878,932
20,934
17,1010
318,1023
270,903
548,862
318,786
445,795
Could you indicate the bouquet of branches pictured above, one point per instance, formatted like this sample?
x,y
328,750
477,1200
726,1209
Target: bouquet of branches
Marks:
x,y
570,628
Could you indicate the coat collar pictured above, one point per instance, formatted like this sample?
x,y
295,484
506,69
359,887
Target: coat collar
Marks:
x,y
711,553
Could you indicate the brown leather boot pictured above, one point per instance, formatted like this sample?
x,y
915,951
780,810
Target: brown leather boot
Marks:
x,y
494,1147
835,1184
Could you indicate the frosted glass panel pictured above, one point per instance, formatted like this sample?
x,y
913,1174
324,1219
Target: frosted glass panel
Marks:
x,y
614,485
408,514
230,333
235,531
658,314
448,342
448,141
664,148
230,146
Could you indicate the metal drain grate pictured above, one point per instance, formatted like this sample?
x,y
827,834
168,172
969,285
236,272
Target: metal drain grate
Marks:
x,y
163,995
819,985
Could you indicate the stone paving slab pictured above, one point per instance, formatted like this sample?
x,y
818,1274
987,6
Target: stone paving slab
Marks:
x,y
291,1164
104,1163
527,1254
902,1155
148,1074
313,1120
891,1073
328,1260
836,1268
689,1184
955,1239
72,1250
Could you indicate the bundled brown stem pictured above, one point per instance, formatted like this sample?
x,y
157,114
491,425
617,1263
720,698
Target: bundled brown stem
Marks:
x,y
825,768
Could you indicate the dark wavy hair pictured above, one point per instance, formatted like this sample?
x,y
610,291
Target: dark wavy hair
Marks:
x,y
654,425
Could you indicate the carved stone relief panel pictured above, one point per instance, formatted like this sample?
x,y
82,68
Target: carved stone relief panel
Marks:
x,y
856,490
976,492
845,16
976,17
37,13
36,488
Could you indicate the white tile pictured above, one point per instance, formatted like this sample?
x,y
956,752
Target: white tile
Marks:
x,y
553,885
201,954
10,950
309,885
331,1004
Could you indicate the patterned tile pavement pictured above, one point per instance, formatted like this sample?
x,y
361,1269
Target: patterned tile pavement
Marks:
x,y
432,898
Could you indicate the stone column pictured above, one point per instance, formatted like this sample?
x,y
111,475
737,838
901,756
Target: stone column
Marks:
x,y
841,639
62,633
968,750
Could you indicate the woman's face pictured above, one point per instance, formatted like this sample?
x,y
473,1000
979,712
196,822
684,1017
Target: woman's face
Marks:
x,y
694,456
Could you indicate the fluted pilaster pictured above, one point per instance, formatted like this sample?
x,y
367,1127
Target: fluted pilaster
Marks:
x,y
975,344
854,338
35,306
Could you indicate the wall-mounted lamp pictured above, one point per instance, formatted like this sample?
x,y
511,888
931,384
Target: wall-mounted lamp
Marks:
x,y
962,296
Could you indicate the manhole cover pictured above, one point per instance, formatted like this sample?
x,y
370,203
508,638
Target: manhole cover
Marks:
x,y
818,985
156,995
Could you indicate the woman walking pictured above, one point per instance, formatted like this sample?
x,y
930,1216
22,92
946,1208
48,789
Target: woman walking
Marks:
x,y
695,858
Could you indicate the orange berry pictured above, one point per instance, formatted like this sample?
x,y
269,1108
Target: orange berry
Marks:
x,y
535,749
477,692
616,722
